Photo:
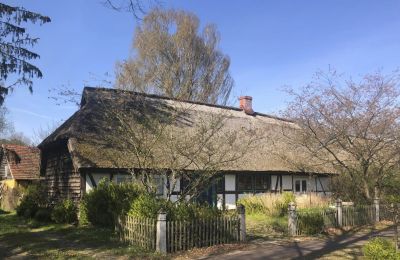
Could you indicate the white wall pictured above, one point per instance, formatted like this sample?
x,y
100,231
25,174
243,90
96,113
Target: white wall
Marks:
x,y
174,198
230,201
177,184
220,199
230,182
273,182
326,182
286,182
97,177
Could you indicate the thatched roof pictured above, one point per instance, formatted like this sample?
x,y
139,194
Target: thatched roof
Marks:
x,y
92,131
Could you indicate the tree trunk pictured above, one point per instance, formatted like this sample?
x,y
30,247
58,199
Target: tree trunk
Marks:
x,y
366,189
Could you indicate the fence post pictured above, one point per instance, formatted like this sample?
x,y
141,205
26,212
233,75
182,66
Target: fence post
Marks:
x,y
376,206
161,237
395,210
242,219
292,221
339,212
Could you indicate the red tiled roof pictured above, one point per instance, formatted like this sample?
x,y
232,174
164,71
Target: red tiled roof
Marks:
x,y
26,165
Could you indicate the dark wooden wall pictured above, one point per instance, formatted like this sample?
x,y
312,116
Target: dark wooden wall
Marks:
x,y
62,180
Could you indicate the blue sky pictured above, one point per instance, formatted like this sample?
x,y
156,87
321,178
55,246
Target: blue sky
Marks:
x,y
270,43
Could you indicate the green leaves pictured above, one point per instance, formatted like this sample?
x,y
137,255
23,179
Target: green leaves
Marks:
x,y
14,42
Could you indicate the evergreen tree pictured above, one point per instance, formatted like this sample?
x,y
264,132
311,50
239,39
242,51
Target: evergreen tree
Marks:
x,y
14,43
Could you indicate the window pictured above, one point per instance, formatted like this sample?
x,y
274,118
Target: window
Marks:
x,y
297,186
244,182
253,182
262,182
124,178
304,185
300,186
220,183
159,184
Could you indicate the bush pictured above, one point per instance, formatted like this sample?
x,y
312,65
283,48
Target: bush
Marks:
x,y
310,221
103,204
43,215
64,212
83,218
379,248
283,206
148,206
34,199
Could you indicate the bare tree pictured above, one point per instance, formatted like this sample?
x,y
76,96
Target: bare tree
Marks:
x,y
137,7
42,132
17,138
172,58
172,142
353,126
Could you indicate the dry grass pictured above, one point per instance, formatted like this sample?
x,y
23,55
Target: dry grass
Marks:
x,y
268,204
312,201
277,204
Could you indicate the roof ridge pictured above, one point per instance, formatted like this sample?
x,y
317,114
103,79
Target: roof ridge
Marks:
x,y
185,101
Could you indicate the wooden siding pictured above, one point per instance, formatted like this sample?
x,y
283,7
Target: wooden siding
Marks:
x,y
3,164
62,180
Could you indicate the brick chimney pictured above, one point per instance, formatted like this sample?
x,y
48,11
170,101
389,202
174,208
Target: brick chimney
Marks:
x,y
246,104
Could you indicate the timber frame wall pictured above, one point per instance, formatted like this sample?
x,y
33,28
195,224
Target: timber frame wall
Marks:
x,y
63,182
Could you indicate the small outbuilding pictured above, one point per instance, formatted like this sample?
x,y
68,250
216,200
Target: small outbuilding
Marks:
x,y
19,167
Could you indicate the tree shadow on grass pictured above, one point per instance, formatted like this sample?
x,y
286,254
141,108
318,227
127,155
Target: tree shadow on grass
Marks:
x,y
349,239
79,242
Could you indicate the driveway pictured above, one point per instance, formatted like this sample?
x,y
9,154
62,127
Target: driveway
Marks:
x,y
344,246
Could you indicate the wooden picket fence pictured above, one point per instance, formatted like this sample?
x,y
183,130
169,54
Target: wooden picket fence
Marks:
x,y
315,221
137,231
388,211
180,235
318,220
184,235
358,215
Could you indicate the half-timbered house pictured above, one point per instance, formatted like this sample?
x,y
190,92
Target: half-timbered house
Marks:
x,y
77,155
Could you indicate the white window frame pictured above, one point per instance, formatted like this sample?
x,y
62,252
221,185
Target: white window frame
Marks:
x,y
301,181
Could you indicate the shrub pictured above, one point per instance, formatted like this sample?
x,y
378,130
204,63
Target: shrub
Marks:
x,y
380,248
35,198
64,212
148,206
282,207
310,221
103,204
83,216
43,215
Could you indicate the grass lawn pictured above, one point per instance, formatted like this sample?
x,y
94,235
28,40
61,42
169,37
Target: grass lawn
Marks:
x,y
31,239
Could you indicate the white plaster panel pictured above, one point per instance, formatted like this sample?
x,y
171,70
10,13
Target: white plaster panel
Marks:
x,y
177,184
174,198
230,201
287,182
230,182
220,199
325,183
97,177
273,182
